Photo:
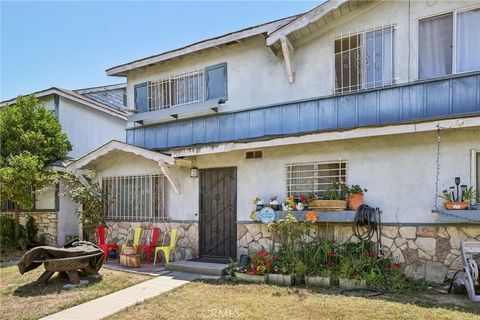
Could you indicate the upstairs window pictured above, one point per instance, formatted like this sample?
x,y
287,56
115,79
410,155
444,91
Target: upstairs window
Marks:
x,y
364,60
315,178
449,44
177,90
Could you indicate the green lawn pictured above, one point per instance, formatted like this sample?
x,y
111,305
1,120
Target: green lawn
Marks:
x,y
227,300
21,299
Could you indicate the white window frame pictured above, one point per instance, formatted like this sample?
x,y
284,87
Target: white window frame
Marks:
x,y
454,42
138,187
363,85
290,180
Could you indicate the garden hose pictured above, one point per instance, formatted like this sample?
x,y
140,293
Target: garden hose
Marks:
x,y
367,224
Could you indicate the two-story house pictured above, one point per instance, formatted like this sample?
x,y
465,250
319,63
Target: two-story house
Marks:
x,y
90,117
385,94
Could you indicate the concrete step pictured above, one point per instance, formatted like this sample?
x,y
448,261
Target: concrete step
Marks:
x,y
204,268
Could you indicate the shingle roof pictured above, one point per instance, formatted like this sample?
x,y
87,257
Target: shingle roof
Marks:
x,y
112,95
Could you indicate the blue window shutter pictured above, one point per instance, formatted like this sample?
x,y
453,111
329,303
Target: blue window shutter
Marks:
x,y
216,82
141,97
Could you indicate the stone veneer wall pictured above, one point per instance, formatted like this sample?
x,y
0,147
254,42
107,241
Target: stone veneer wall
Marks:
x,y
47,223
430,252
187,236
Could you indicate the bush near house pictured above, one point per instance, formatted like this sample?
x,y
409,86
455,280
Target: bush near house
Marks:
x,y
31,138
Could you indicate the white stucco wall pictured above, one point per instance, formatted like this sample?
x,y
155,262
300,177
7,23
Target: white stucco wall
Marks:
x,y
88,129
256,77
399,172
68,220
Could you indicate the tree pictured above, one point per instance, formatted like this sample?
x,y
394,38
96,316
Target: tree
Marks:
x,y
31,138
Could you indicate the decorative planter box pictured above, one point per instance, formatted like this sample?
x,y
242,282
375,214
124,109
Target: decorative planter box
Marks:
x,y
280,279
456,205
250,277
328,205
317,281
352,284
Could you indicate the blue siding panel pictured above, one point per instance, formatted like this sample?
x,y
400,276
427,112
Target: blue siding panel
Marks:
x,y
273,120
198,131
437,98
227,127
140,137
367,108
464,99
290,121
212,130
150,137
389,105
449,96
346,111
185,133
173,135
257,123
326,114
308,116
242,126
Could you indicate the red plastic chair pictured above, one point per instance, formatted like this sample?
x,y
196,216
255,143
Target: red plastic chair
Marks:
x,y
153,234
102,235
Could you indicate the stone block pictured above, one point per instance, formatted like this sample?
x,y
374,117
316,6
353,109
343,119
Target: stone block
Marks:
x,y
428,245
390,232
423,255
408,232
416,270
426,231
443,248
455,237
435,272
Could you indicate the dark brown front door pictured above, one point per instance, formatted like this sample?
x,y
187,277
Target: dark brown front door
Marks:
x,y
218,213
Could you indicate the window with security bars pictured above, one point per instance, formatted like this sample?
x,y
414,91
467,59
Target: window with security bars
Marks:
x,y
364,60
315,178
136,198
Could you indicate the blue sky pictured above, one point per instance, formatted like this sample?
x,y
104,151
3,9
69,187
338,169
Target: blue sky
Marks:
x,y
70,44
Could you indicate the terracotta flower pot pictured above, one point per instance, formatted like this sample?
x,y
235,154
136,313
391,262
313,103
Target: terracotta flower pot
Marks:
x,y
456,205
355,200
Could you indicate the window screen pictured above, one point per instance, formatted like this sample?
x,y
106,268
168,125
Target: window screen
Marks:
x,y
216,81
141,97
435,46
468,40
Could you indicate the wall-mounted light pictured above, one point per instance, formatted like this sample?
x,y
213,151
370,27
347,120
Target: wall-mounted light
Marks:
x,y
194,172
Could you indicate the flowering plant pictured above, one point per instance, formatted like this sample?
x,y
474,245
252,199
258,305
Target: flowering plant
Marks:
x,y
261,263
303,199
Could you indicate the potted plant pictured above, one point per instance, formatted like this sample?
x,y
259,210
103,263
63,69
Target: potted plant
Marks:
x,y
274,203
355,196
334,199
459,200
257,270
289,204
302,203
460,203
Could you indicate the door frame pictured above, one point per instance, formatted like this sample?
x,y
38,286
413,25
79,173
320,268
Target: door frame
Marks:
x,y
234,216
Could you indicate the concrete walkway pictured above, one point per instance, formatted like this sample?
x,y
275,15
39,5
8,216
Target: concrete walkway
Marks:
x,y
114,302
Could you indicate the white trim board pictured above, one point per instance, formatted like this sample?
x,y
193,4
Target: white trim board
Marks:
x,y
328,136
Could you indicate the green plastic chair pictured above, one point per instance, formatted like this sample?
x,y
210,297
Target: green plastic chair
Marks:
x,y
136,239
167,249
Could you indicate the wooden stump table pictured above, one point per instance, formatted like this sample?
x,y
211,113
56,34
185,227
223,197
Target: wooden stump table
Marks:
x,y
130,260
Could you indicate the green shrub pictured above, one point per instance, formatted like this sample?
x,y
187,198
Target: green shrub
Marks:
x,y
31,230
7,233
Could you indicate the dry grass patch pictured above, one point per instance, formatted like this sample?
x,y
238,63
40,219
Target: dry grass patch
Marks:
x,y
21,299
209,300
7,254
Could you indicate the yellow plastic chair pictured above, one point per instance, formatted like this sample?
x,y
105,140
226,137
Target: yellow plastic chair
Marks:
x,y
167,249
136,239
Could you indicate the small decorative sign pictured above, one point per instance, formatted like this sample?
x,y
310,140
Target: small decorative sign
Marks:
x,y
267,215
